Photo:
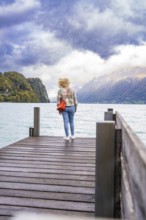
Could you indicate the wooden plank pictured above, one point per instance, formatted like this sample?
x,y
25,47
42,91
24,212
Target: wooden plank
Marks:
x,y
47,188
58,167
49,175
50,146
47,181
12,209
57,159
78,197
46,159
49,204
62,156
68,145
39,170
84,155
55,138
38,163
48,149
59,154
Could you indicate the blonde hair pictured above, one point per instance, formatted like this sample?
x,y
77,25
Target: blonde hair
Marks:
x,y
63,82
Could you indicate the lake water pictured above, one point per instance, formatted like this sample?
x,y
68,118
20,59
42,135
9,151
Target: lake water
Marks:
x,y
16,118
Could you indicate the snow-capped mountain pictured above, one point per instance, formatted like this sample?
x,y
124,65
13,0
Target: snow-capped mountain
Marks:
x,y
125,86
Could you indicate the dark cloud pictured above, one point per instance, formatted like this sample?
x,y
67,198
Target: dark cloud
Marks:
x,y
24,42
27,54
94,25
29,47
9,20
6,2
34,55
57,15
13,13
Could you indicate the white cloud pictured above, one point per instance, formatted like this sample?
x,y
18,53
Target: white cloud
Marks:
x,y
80,67
47,45
128,56
128,8
122,8
89,18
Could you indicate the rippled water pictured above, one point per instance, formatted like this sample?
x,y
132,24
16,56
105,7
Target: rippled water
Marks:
x,y
16,118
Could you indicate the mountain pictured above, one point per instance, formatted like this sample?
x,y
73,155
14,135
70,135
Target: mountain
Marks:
x,y
39,89
14,87
122,87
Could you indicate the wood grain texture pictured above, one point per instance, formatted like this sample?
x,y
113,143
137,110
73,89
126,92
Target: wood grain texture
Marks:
x,y
133,173
48,175
12,209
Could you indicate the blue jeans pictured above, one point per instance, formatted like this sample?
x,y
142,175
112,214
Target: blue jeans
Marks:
x,y
68,119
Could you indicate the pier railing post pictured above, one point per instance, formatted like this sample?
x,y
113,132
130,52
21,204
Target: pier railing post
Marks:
x,y
31,132
105,165
36,121
108,116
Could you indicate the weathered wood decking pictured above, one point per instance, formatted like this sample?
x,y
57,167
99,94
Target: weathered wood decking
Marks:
x,y
48,175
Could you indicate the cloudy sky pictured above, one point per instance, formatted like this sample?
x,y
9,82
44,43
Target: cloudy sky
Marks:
x,y
78,39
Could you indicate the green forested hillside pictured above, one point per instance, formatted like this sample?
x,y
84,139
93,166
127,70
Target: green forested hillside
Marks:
x,y
39,89
14,87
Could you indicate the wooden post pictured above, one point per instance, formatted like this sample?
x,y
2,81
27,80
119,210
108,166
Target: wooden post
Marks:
x,y
110,109
118,146
108,116
31,132
36,121
105,165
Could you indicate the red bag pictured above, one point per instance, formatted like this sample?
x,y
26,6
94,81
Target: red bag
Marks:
x,y
61,106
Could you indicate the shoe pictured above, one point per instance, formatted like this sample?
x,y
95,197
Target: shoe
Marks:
x,y
66,138
72,137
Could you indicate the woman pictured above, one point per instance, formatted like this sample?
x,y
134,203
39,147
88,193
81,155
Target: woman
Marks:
x,y
69,96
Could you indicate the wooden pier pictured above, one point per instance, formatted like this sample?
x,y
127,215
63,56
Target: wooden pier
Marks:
x,y
103,176
48,175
